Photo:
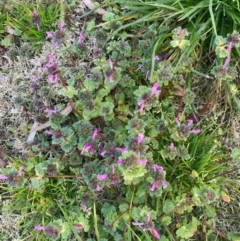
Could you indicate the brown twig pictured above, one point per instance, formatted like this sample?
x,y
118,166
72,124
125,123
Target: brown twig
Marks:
x,y
214,229
223,174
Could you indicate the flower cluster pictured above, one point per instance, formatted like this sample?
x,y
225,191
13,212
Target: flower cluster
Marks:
x,y
185,130
146,99
58,36
147,224
52,70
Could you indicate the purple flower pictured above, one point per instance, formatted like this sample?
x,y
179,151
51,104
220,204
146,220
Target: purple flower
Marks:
x,y
122,150
96,53
48,132
35,18
190,122
84,207
148,225
155,233
119,162
34,12
110,64
87,147
195,117
80,39
39,227
227,61
98,188
154,186
140,138
52,78
137,224
58,36
156,57
50,59
154,89
31,89
101,177
95,133
141,161
34,79
171,146
3,177
141,103
62,24
78,227
103,152
20,171
156,167
229,46
110,77
164,184
50,112
50,35
178,123
196,131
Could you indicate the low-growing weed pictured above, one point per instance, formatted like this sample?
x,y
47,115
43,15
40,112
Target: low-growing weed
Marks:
x,y
22,20
131,158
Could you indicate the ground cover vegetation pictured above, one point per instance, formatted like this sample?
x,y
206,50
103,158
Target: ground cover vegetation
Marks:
x,y
128,126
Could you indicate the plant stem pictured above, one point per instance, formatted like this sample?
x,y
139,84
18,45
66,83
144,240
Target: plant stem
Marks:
x,y
214,229
223,174
95,221
56,176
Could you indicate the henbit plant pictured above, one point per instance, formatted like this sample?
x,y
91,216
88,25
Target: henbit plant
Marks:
x,y
206,23
205,20
128,162
29,23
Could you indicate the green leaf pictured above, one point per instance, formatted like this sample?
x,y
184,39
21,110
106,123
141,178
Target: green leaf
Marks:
x,y
236,154
210,211
197,196
17,32
123,207
168,206
68,143
69,92
163,238
89,85
182,44
107,208
39,170
166,220
89,114
101,93
84,222
90,25
220,47
37,183
65,232
7,41
233,237
108,16
188,230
